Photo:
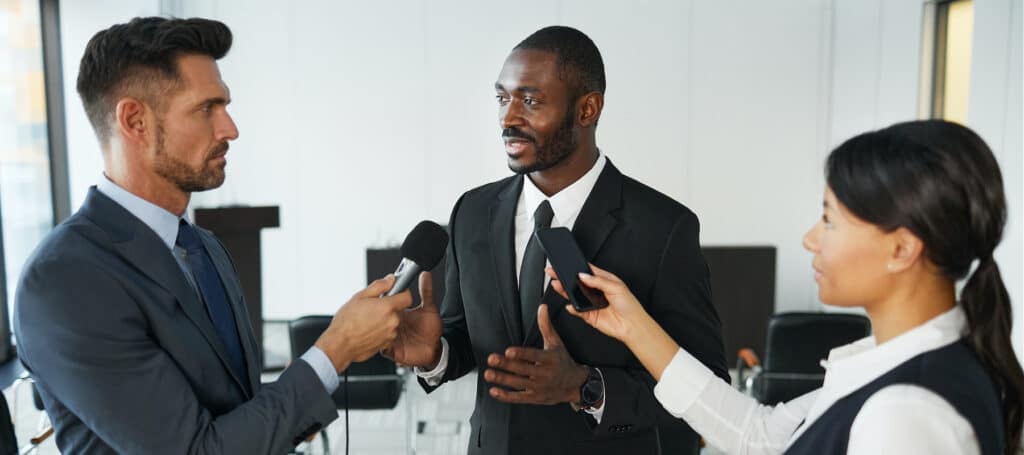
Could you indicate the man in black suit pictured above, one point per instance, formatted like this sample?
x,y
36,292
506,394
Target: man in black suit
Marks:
x,y
130,318
550,383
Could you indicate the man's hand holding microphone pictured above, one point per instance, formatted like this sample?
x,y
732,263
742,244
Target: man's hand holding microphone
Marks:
x,y
380,318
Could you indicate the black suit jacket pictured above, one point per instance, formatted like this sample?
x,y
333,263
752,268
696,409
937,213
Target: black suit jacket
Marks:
x,y
644,237
126,358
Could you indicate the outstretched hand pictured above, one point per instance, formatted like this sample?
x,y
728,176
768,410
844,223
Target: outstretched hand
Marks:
x,y
536,376
418,341
364,324
623,313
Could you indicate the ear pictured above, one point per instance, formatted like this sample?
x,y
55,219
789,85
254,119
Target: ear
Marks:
x,y
907,250
589,107
130,120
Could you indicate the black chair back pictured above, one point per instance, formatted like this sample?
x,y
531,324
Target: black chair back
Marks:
x,y
8,443
373,384
796,344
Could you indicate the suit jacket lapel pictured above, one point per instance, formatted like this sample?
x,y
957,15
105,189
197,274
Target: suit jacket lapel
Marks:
x,y
597,219
141,247
503,256
224,269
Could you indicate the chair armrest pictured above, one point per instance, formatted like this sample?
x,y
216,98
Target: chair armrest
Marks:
x,y
748,357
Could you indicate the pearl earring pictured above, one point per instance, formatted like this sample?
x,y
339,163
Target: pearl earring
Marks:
x,y
890,267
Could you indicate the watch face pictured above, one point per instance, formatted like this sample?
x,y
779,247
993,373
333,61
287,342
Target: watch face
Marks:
x,y
592,390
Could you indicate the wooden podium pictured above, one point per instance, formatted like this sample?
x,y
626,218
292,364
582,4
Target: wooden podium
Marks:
x,y
239,229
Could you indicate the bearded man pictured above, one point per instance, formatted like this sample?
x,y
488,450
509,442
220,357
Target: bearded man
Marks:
x,y
548,382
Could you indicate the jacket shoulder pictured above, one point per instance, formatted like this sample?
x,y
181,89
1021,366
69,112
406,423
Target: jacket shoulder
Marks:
x,y
646,201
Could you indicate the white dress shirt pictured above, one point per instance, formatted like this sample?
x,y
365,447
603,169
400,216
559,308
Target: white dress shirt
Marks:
x,y
165,225
566,205
897,419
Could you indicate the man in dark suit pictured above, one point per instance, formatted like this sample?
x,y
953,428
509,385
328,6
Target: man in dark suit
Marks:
x,y
550,383
130,318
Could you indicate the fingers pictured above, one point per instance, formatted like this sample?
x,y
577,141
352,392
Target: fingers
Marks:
x,y
512,397
602,283
378,287
550,272
551,338
604,273
556,284
522,368
398,302
572,310
511,381
530,355
427,291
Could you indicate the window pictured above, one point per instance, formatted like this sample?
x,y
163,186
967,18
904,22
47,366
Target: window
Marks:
x,y
946,59
26,182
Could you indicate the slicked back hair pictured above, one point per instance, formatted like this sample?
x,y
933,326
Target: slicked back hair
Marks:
x,y
139,59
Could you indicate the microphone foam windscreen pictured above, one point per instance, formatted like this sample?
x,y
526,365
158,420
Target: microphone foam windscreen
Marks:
x,y
425,245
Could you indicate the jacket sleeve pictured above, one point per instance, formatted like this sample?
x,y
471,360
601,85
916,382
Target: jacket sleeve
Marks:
x,y
89,345
453,315
681,303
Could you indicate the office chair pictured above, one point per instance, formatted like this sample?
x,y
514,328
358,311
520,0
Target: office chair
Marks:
x,y
8,441
376,383
796,344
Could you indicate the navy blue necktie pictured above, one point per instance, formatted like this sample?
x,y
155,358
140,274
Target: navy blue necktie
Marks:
x,y
216,298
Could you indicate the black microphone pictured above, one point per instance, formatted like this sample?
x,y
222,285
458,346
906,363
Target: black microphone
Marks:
x,y
422,250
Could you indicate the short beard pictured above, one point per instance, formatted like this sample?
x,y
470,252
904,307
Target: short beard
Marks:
x,y
177,172
555,150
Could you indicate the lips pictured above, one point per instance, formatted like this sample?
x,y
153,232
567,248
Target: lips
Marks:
x,y
220,152
515,147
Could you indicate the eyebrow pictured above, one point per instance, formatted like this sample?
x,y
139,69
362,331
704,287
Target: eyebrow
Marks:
x,y
521,89
217,100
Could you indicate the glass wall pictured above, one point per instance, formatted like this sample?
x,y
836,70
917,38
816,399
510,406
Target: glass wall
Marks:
x,y
25,185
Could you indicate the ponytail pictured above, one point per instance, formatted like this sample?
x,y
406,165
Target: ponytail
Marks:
x,y
986,303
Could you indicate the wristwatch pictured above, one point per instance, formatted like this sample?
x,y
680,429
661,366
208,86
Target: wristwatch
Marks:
x,y
592,390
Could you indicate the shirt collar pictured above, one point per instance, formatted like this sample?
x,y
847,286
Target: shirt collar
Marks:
x,y
852,366
162,222
565,204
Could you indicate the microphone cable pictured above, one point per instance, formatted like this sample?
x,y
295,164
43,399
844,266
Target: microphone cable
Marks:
x,y
346,411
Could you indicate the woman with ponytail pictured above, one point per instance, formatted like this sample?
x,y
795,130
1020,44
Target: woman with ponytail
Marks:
x,y
909,212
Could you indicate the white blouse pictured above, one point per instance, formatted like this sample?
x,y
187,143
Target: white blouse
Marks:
x,y
898,419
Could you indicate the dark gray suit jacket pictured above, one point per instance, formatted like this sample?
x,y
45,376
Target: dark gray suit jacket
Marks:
x,y
126,358
644,237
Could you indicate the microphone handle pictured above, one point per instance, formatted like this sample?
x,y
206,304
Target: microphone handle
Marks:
x,y
405,274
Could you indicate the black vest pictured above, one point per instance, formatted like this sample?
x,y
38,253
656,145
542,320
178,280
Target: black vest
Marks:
x,y
952,372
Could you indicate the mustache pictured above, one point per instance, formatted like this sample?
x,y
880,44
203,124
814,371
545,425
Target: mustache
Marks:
x,y
513,132
220,149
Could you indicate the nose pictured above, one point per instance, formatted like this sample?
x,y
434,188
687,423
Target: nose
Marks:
x,y
227,130
811,238
509,115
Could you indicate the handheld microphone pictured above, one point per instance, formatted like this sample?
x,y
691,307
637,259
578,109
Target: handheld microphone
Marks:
x,y
422,250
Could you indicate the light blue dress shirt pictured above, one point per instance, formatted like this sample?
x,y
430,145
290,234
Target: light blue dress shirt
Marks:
x,y
165,225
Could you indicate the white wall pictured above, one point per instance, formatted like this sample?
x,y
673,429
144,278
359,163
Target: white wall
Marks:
x,y
329,101
79,21
360,118
994,111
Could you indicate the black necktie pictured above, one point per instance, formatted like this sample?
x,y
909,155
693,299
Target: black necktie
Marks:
x,y
213,293
531,275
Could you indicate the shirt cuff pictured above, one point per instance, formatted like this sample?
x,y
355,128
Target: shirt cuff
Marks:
x,y
681,383
323,367
598,412
433,377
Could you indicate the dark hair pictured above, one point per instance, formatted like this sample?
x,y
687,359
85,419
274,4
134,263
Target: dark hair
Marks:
x,y
940,181
579,62
140,58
